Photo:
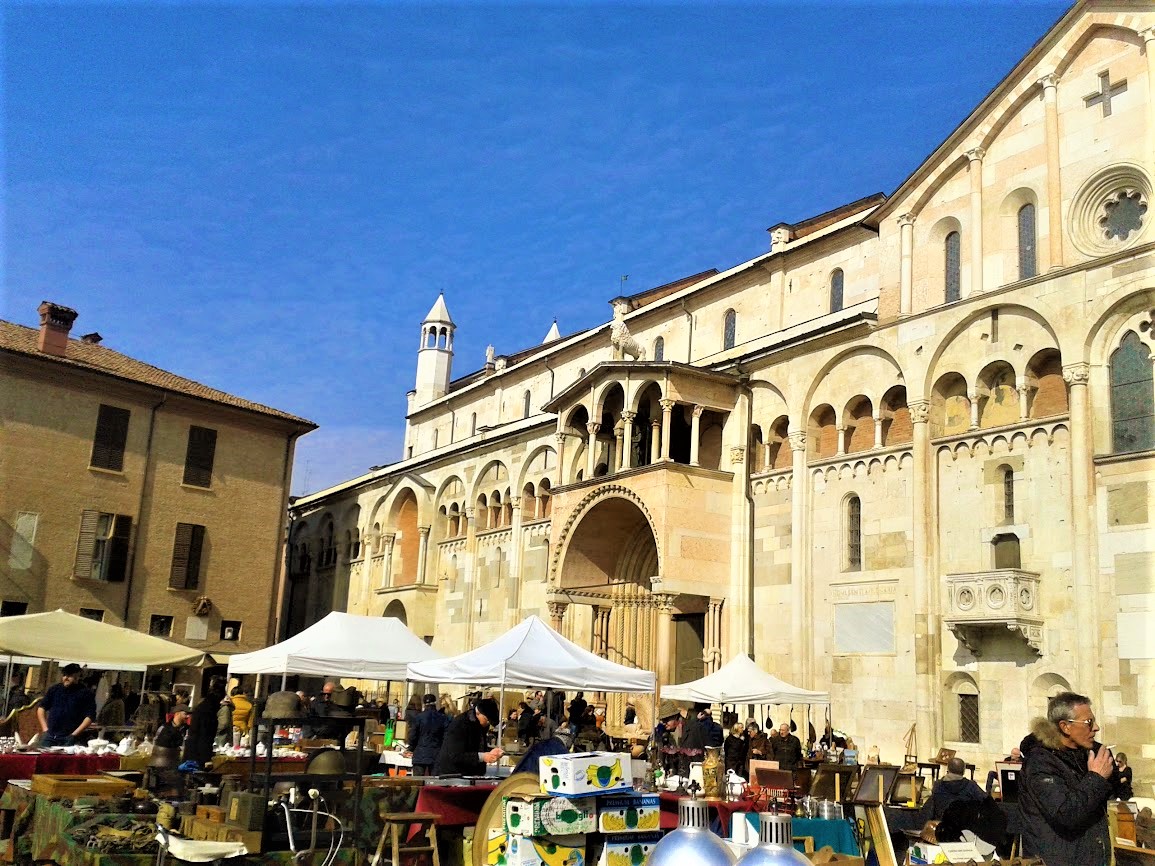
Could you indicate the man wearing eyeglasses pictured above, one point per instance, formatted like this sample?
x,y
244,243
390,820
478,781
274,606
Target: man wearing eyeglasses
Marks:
x,y
1067,780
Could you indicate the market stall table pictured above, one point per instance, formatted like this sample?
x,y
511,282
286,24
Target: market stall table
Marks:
x,y
23,765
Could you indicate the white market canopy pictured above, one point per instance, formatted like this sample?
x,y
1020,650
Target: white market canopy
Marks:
x,y
65,637
740,681
341,645
533,655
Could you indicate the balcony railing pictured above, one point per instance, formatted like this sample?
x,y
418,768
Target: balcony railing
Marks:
x,y
1004,599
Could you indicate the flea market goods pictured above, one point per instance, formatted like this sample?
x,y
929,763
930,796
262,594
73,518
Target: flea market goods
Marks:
x,y
692,844
631,813
556,851
629,850
585,773
545,816
776,843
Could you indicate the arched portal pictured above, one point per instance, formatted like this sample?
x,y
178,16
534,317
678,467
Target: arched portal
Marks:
x,y
613,543
396,610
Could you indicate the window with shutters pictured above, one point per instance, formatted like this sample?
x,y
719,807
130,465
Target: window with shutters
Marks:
x,y
198,458
110,438
102,548
186,556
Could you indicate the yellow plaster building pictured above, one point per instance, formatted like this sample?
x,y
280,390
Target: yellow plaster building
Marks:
x,y
133,496
907,455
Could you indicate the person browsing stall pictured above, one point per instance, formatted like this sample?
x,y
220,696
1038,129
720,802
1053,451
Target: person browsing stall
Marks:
x,y
67,709
463,750
426,735
1068,777
786,749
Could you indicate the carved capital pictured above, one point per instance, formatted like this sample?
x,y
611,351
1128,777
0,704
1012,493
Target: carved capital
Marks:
x,y
667,405
655,423
387,539
976,154
423,531
628,416
1076,374
797,440
470,513
919,411
737,455
593,427
1049,81
556,611
664,602
698,410
560,437
906,219
515,502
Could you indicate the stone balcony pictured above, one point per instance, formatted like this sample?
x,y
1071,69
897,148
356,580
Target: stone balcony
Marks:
x,y
983,602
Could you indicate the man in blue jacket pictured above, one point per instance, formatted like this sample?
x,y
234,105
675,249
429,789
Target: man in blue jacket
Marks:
x,y
67,709
426,735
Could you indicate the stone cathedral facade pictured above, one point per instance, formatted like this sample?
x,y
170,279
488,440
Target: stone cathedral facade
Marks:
x,y
907,455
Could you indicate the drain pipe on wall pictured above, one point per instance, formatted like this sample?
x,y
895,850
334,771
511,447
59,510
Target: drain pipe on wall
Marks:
x,y
145,497
744,385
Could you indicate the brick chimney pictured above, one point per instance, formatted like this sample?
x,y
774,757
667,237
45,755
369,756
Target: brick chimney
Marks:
x,y
55,323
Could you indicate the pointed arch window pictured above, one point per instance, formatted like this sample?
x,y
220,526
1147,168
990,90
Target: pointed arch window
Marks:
x,y
1028,256
729,329
659,349
1132,397
837,280
854,534
952,251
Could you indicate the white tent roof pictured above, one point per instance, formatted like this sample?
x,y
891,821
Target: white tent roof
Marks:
x,y
64,636
740,681
341,645
533,655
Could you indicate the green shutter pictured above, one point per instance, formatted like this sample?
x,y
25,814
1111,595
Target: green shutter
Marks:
x,y
196,544
186,556
86,543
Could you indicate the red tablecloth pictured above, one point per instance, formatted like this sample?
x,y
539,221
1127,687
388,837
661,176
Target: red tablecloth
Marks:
x,y
454,806
24,766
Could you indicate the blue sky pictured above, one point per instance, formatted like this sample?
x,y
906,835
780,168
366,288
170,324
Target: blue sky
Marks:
x,y
267,198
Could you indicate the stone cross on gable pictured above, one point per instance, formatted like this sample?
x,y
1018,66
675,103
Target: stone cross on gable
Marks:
x,y
1106,92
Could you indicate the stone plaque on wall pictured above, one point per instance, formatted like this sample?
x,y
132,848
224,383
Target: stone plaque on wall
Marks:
x,y
864,627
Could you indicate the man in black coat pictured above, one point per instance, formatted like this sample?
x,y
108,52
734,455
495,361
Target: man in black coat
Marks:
x,y
1066,782
202,729
463,750
426,734
786,749
952,787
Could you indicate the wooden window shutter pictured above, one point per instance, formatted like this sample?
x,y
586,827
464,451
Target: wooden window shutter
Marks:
x,y
186,556
198,461
86,543
118,545
111,436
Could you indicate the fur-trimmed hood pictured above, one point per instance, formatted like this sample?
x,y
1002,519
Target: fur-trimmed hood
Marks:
x,y
1047,734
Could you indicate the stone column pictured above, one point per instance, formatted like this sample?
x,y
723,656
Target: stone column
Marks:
x,y
655,441
1024,398
799,582
878,428
630,650
667,415
906,263
840,445
1149,48
592,449
695,434
973,396
422,553
615,459
561,467
469,572
387,539
714,617
664,639
923,576
515,544
627,455
556,614
1085,575
975,155
1054,187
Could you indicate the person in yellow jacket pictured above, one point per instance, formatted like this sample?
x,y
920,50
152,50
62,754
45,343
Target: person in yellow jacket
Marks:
x,y
242,711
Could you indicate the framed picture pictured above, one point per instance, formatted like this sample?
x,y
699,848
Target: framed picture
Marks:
x,y
1009,780
907,789
834,782
944,756
874,788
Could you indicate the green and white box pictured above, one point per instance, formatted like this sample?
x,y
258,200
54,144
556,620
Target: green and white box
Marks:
x,y
550,851
631,813
585,773
629,850
550,816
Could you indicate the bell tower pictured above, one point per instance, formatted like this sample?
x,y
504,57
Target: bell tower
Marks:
x,y
435,355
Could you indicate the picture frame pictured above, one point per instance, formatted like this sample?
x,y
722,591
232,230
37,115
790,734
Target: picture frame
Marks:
x,y
875,785
1009,774
944,755
823,785
907,787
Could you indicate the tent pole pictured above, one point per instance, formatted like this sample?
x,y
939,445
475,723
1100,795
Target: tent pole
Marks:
x,y
501,713
284,681
7,684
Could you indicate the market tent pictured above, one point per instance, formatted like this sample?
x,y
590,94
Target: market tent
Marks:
x,y
66,637
533,655
740,681
341,645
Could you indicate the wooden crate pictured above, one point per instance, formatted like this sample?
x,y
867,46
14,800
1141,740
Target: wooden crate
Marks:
x,y
212,813
61,785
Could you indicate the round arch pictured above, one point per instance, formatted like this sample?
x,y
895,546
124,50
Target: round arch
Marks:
x,y
397,610
527,472
811,401
609,529
483,484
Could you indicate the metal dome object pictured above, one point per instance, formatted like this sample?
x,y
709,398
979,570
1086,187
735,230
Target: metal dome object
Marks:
x,y
776,845
692,844
326,762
